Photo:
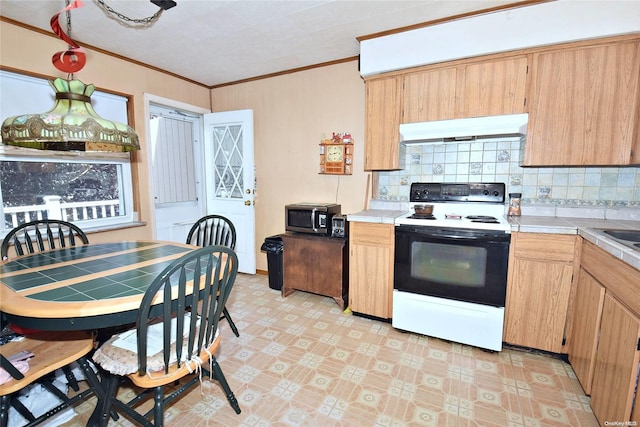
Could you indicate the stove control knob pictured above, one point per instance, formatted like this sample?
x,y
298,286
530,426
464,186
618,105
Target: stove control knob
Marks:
x,y
485,192
496,193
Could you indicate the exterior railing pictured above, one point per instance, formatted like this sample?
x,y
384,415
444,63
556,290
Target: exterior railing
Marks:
x,y
53,208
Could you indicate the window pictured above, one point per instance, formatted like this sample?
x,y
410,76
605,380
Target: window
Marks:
x,y
89,192
90,189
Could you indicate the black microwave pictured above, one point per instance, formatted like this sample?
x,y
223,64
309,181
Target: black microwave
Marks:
x,y
313,218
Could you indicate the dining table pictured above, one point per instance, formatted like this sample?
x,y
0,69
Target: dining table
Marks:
x,y
86,287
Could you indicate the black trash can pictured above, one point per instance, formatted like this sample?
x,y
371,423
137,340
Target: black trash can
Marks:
x,y
273,246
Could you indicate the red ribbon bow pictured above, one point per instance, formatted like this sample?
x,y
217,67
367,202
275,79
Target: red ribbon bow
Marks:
x,y
74,58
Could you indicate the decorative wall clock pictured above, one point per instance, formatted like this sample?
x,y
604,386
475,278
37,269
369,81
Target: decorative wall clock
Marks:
x,y
336,155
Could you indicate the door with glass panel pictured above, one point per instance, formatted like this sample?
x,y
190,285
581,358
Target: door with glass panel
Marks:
x,y
230,177
176,169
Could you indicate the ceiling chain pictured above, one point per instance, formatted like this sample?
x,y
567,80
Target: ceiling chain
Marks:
x,y
68,2
142,21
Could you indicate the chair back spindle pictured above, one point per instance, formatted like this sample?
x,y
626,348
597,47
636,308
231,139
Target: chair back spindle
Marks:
x,y
212,230
41,235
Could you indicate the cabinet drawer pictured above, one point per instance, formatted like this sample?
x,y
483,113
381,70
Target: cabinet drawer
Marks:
x,y
618,277
546,247
367,233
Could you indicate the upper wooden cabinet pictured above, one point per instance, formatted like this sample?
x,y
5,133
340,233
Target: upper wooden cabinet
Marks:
x,y
487,88
429,95
583,101
382,137
493,88
584,106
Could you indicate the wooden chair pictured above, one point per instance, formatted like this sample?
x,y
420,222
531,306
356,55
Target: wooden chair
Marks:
x,y
215,230
41,235
185,324
52,350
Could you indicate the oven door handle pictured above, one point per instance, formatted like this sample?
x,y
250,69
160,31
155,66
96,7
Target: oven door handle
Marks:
x,y
455,234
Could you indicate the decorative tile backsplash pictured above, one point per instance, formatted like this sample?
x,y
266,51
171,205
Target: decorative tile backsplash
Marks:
x,y
496,160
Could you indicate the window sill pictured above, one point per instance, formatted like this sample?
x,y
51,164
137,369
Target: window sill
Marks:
x,y
112,227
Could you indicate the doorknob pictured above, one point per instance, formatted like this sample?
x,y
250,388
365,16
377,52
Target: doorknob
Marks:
x,y
247,202
248,191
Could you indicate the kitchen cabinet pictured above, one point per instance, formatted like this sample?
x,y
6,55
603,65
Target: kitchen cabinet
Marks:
x,y
371,252
538,288
485,88
315,264
616,368
584,106
615,326
583,100
382,133
429,95
493,88
583,341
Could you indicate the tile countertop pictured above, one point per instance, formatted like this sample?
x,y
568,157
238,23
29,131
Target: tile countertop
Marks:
x,y
384,216
586,228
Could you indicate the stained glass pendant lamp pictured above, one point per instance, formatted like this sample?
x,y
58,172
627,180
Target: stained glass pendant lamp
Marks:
x,y
72,124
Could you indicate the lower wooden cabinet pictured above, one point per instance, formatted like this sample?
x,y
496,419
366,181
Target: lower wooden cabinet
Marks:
x,y
605,335
587,313
371,251
316,264
538,288
616,370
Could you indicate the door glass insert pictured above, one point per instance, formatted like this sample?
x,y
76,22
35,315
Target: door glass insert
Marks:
x,y
228,160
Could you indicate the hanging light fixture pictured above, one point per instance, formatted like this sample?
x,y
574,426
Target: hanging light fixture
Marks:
x,y
72,124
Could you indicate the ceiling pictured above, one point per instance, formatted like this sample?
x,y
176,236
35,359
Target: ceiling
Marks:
x,y
216,42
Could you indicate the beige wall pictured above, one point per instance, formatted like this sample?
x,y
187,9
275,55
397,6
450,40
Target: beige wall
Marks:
x,y
291,113
29,51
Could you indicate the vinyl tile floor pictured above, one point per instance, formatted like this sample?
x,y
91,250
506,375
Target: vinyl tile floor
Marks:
x,y
302,361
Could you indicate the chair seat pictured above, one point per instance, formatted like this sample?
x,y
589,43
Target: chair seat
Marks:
x,y
121,361
160,378
52,350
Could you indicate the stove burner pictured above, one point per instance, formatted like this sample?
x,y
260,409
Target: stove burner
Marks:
x,y
422,216
485,219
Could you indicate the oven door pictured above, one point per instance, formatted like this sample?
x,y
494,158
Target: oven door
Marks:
x,y
454,263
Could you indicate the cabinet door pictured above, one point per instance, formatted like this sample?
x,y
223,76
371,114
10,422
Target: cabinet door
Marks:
x,y
294,259
584,106
325,267
537,300
383,109
616,369
371,268
429,95
493,88
587,312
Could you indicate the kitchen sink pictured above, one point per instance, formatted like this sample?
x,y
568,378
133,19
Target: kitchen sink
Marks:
x,y
629,235
629,238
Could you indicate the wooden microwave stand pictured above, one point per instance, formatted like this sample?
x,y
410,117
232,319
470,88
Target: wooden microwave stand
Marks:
x,y
317,264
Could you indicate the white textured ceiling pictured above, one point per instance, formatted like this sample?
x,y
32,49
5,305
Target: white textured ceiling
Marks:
x,y
216,42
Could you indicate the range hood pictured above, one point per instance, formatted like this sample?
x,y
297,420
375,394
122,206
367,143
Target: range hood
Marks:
x,y
461,130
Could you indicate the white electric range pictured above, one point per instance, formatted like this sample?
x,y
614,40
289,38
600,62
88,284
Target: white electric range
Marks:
x,y
450,268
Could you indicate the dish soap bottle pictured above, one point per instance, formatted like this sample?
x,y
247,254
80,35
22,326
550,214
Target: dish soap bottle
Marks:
x,y
514,204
